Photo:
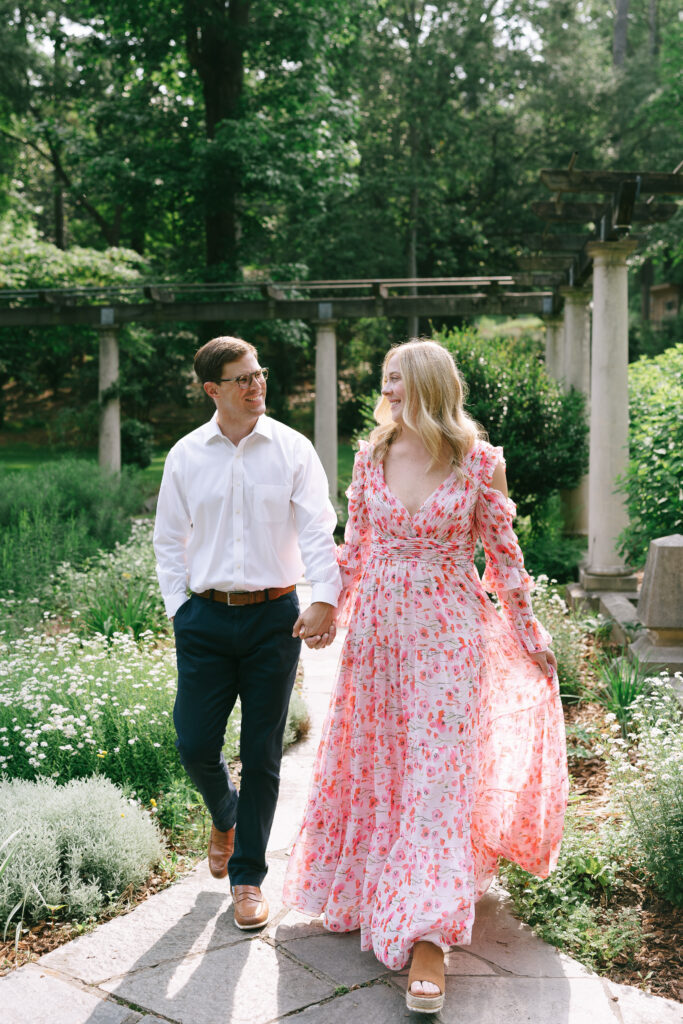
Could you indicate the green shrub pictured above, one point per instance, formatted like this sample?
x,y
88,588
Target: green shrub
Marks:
x,y
619,682
137,443
571,908
33,545
182,812
62,511
566,630
543,431
113,592
126,606
657,816
653,482
547,550
298,720
77,848
647,781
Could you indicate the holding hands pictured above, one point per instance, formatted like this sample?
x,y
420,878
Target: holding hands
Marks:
x,y
316,625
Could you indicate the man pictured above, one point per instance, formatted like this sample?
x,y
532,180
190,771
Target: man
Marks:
x,y
243,509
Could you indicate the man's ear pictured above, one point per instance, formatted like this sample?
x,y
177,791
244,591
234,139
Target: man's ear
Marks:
x,y
211,389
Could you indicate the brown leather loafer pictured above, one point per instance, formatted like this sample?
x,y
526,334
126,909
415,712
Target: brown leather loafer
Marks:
x,y
221,845
251,907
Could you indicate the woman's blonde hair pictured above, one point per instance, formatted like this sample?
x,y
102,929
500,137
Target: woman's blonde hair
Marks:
x,y
434,399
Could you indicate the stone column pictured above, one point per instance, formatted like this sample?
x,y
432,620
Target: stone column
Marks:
x,y
576,369
553,346
606,569
110,408
326,400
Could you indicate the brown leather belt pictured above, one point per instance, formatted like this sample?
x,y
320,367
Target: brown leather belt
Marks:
x,y
238,597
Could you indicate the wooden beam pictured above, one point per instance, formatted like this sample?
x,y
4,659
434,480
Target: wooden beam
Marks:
x,y
582,213
158,293
552,261
293,309
650,182
623,205
555,242
538,279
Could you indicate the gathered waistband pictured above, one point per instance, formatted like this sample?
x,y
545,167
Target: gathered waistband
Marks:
x,y
421,551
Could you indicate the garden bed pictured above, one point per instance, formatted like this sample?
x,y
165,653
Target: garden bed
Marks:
x,y
657,963
87,686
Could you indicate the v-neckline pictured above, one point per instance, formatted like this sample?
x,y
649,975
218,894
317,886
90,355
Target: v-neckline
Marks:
x,y
428,500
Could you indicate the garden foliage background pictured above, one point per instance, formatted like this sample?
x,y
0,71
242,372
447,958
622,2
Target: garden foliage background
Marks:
x,y
240,142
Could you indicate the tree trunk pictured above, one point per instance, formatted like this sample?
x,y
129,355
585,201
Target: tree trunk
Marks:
x,y
58,205
647,278
653,23
412,24
413,321
215,42
620,39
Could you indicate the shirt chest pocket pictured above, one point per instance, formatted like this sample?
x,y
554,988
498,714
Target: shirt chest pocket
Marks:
x,y
271,503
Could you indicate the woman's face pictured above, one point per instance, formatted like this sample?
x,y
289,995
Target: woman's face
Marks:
x,y
393,388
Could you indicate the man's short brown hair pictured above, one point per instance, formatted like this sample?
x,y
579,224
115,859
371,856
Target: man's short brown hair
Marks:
x,y
210,359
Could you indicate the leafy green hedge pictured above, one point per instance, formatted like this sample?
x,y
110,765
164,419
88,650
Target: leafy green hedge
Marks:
x,y
653,483
63,511
543,431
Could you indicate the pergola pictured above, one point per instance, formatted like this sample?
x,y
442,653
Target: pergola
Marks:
x,y
321,302
551,281
594,358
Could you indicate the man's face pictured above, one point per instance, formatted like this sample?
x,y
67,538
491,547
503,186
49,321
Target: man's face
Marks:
x,y
236,404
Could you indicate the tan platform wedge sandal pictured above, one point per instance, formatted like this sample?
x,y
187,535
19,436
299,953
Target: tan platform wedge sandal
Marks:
x,y
427,965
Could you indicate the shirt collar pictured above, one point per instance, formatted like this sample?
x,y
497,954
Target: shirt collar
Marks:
x,y
211,430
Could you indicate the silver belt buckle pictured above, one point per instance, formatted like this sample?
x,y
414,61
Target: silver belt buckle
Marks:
x,y
235,593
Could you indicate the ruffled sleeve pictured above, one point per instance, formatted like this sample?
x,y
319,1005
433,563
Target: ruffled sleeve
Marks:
x,y
352,554
505,574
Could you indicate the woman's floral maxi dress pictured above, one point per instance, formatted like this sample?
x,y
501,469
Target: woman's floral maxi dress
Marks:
x,y
444,744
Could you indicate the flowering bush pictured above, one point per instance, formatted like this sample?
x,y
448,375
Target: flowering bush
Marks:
x,y
71,707
646,770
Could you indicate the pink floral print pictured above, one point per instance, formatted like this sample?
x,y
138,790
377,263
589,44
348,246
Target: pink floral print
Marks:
x,y
444,747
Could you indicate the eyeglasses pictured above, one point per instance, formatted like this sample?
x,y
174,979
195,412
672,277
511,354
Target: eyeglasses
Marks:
x,y
245,380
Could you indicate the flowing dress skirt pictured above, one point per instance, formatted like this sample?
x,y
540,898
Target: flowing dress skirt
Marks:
x,y
443,750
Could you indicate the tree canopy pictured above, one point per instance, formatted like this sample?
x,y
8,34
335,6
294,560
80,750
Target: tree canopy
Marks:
x,y
352,139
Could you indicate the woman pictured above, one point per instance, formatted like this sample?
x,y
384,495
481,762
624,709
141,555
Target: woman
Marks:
x,y
443,747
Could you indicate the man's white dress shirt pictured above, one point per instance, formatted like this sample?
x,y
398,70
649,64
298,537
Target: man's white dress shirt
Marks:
x,y
244,517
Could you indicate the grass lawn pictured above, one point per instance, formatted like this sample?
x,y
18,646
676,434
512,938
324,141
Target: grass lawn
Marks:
x,y
21,455
345,456
26,456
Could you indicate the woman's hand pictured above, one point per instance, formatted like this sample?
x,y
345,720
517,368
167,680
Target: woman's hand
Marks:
x,y
546,661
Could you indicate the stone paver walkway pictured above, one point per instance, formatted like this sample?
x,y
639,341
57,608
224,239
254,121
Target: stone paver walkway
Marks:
x,y
178,958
